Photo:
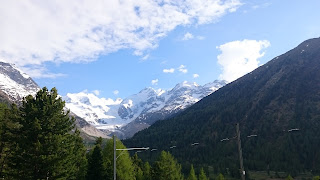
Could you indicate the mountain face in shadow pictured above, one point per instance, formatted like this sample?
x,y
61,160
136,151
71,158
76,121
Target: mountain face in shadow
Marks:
x,y
277,106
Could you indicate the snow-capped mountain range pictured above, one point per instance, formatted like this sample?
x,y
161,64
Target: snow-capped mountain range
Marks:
x,y
121,116
126,117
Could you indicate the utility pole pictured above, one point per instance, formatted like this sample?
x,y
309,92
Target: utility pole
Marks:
x,y
242,172
114,158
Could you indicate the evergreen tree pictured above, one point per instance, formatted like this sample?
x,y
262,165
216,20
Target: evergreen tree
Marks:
x,y
46,144
8,128
80,160
138,164
289,177
166,168
202,175
125,167
146,171
96,168
192,174
220,177
139,174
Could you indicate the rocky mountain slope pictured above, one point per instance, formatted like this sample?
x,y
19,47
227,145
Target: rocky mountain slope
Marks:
x,y
277,106
139,111
15,84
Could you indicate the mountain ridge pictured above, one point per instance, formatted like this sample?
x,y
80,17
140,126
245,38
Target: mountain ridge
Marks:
x,y
138,111
270,101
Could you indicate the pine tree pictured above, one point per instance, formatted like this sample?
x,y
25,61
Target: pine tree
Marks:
x,y
96,168
138,164
192,174
166,168
80,161
125,167
289,177
202,175
139,174
146,171
46,144
220,177
8,128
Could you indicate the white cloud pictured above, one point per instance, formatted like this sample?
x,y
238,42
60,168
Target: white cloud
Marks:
x,y
34,32
38,71
264,5
171,70
115,92
200,37
96,92
164,62
195,75
155,81
187,36
240,57
183,69
145,57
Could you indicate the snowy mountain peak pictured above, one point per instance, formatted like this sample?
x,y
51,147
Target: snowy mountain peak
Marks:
x,y
116,114
90,107
215,84
160,92
146,92
186,84
15,83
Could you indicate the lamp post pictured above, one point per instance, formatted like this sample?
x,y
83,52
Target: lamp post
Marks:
x,y
115,155
114,158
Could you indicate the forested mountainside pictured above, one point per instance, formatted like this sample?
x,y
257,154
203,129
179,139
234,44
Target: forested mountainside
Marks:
x,y
277,106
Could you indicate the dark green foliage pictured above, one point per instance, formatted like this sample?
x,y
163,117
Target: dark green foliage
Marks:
x,y
202,175
138,165
46,147
8,129
96,169
79,158
166,168
281,95
192,174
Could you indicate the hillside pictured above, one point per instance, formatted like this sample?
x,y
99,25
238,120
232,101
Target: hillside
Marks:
x,y
279,102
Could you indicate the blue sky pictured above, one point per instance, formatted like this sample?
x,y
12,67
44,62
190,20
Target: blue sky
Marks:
x,y
117,48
